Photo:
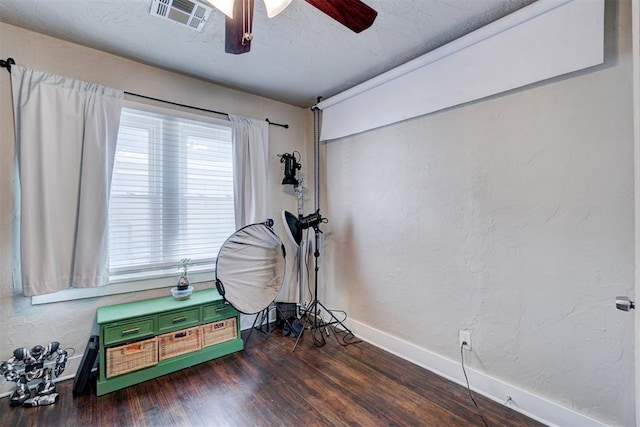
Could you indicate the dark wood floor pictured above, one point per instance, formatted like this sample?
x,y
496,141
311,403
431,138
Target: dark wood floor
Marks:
x,y
269,385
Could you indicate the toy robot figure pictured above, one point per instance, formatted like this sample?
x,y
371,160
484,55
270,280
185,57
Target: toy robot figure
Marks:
x,y
33,361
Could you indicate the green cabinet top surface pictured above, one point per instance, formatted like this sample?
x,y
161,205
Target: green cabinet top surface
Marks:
x,y
127,310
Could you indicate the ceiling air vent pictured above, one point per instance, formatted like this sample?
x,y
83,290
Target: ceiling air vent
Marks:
x,y
185,12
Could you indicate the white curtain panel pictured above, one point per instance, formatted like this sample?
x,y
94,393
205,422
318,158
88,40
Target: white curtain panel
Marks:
x,y
66,132
250,167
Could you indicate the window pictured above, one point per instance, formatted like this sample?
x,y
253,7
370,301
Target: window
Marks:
x,y
171,194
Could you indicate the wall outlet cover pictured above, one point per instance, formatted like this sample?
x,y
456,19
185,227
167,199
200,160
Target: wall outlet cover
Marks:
x,y
464,335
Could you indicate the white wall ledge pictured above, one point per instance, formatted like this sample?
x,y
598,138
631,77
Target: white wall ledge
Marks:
x,y
545,39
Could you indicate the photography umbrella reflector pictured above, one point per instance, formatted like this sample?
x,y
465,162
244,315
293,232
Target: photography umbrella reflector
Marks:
x,y
250,268
292,228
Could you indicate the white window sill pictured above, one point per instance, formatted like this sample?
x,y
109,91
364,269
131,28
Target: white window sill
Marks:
x,y
121,288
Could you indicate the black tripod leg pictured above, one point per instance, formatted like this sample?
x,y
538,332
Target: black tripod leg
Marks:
x,y
343,327
304,322
252,328
264,313
304,326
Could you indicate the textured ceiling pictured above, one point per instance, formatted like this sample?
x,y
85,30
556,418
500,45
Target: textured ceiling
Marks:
x,y
295,57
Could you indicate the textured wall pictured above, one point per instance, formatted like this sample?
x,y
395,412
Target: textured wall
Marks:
x,y
512,217
71,323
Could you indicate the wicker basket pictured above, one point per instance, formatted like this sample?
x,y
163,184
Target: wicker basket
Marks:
x,y
131,357
217,332
180,342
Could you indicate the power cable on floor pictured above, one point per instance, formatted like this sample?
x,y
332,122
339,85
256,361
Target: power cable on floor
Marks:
x,y
464,371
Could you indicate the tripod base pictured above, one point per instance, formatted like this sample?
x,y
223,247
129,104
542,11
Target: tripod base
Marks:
x,y
313,321
262,316
312,315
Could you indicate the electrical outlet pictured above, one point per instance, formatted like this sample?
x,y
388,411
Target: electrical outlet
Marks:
x,y
464,336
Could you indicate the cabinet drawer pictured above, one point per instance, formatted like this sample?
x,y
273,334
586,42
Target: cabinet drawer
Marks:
x,y
218,311
128,331
179,319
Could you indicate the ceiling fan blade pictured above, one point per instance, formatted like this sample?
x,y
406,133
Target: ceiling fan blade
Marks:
x,y
236,27
353,14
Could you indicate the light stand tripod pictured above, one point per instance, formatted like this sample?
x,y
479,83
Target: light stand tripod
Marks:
x,y
311,317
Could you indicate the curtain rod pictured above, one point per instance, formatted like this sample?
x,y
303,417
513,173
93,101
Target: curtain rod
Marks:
x,y
10,61
286,126
7,64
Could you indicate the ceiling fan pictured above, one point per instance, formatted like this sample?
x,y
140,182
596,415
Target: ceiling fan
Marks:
x,y
353,14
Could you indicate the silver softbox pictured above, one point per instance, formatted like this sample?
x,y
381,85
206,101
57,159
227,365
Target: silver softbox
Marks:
x,y
250,268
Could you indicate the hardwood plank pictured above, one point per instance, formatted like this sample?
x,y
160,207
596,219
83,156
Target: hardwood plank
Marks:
x,y
268,384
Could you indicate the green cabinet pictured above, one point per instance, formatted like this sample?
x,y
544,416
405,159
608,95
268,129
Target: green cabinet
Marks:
x,y
130,333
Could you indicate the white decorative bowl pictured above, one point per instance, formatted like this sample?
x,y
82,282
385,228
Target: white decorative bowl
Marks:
x,y
181,295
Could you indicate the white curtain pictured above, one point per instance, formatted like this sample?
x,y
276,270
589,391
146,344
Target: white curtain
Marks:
x,y
250,167
66,132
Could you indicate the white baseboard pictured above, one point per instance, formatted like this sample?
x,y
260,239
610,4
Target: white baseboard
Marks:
x,y
525,402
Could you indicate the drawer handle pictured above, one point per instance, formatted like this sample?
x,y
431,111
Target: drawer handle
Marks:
x,y
132,349
221,309
179,319
130,331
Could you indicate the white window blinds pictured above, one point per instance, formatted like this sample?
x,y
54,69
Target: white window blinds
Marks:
x,y
171,194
